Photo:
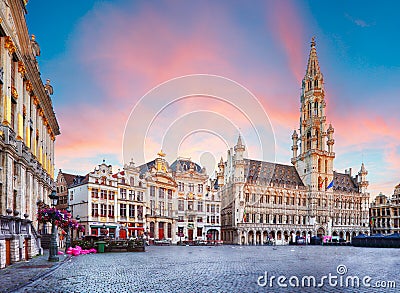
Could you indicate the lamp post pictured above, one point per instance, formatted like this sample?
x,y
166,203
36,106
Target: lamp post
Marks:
x,y
77,232
53,251
68,237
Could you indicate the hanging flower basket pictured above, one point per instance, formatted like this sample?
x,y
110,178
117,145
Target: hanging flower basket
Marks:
x,y
48,215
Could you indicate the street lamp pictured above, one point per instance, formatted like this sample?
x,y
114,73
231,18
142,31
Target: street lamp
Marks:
x,y
68,237
53,251
77,231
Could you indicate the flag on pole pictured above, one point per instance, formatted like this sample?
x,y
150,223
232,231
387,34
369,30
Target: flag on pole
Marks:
x,y
372,222
330,185
244,216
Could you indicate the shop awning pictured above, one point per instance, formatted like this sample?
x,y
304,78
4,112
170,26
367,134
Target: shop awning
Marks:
x,y
101,226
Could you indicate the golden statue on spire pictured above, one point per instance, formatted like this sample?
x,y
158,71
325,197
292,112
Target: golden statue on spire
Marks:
x,y
161,154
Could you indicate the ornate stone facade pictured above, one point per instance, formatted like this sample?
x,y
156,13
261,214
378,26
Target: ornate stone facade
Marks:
x,y
385,213
27,134
264,202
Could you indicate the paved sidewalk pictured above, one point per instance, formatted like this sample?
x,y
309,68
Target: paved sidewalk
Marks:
x,y
22,273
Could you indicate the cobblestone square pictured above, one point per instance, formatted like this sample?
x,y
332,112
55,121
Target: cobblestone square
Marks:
x,y
219,269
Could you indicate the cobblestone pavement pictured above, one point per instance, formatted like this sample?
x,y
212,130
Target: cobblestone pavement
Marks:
x,y
221,269
24,272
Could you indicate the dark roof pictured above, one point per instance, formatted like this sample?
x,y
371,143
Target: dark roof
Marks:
x,y
184,165
344,182
146,167
266,172
69,178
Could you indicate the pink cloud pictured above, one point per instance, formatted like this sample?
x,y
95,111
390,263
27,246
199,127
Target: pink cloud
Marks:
x,y
287,25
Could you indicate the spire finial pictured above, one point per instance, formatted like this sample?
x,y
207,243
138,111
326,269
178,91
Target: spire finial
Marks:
x,y
312,42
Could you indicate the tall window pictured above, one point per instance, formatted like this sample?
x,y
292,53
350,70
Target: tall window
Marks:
x,y
103,194
131,195
161,192
95,210
122,210
103,210
111,211
123,193
191,187
152,207
181,186
161,206
181,205
131,211
152,191
95,193
140,212
190,205
169,193
200,206
200,188
213,208
111,195
170,209
13,109
132,181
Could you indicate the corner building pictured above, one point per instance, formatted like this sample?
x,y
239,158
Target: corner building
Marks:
x,y
28,127
264,201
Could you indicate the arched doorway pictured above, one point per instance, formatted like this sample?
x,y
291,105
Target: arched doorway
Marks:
x,y
279,235
265,237
320,232
348,236
251,238
212,234
258,238
341,234
286,236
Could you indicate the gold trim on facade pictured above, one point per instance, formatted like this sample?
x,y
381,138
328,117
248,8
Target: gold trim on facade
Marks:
x,y
9,45
14,92
21,68
29,86
35,100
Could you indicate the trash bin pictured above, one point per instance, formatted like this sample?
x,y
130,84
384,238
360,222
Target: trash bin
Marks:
x,y
100,246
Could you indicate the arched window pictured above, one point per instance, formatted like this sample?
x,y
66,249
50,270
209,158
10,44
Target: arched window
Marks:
x,y
308,140
309,109
316,108
317,135
316,83
319,165
326,166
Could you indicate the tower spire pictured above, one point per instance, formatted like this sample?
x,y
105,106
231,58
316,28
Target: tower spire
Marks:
x,y
313,70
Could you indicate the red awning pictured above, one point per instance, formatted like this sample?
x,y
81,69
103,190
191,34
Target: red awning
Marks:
x,y
136,228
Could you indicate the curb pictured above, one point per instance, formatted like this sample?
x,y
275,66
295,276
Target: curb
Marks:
x,y
42,275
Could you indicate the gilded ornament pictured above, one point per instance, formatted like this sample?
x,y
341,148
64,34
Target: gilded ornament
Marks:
x,y
9,44
29,86
37,132
14,92
21,68
41,112
24,110
161,154
35,100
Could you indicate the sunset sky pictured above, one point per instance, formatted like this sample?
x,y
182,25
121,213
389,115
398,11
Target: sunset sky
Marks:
x,y
102,57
